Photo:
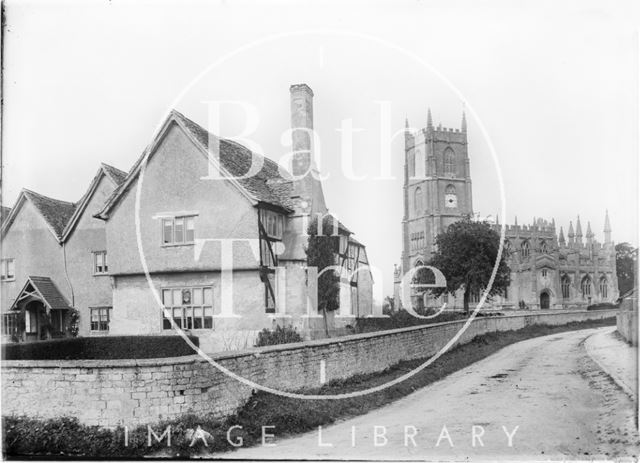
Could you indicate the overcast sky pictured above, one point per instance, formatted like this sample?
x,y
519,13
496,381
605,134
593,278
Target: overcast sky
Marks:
x,y
555,84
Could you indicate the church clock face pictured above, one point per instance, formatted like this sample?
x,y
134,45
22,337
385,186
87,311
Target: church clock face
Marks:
x,y
450,200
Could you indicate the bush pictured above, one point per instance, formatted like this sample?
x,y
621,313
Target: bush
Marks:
x,y
403,319
102,348
602,306
280,335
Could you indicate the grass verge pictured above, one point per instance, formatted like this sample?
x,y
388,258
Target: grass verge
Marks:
x,y
23,436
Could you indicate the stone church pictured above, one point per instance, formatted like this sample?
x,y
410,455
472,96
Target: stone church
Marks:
x,y
548,271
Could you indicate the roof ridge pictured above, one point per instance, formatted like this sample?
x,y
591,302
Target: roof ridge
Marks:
x,y
26,190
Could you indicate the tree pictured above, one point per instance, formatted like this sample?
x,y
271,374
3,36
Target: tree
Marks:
x,y
625,266
388,305
321,253
466,254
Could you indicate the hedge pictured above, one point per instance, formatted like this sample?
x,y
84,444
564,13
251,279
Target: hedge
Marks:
x,y
403,319
102,348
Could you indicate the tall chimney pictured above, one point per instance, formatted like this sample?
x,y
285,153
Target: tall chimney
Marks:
x,y
301,127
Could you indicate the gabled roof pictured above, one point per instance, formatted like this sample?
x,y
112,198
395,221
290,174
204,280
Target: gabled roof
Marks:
x,y
4,212
114,174
267,186
44,289
56,213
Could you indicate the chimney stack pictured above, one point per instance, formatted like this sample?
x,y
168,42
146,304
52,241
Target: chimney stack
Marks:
x,y
301,127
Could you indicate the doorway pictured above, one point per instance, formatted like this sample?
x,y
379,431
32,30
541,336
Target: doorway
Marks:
x,y
544,300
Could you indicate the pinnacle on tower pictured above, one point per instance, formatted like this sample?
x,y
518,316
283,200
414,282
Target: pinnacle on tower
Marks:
x,y
464,123
561,237
578,231
589,233
406,123
515,222
607,228
553,222
571,235
429,119
497,219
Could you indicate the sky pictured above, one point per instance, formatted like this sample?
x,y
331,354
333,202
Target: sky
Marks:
x,y
552,86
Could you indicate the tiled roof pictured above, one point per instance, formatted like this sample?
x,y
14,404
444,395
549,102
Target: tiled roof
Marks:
x,y
57,213
268,185
117,175
4,212
49,292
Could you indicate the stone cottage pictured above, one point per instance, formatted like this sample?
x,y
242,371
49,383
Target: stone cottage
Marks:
x,y
204,235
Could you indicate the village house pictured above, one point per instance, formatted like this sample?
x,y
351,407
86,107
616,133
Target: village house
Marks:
x,y
153,246
54,258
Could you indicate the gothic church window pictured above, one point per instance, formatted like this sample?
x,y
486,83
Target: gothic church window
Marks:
x,y
543,247
586,286
506,250
449,163
525,249
450,197
566,285
417,201
603,287
412,165
419,165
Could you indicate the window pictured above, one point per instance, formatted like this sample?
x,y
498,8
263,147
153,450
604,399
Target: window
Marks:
x,y
417,240
412,165
603,287
178,230
8,269
9,323
417,201
525,249
100,266
449,163
586,286
566,285
100,317
273,223
445,298
543,247
190,308
420,165
544,273
31,321
506,250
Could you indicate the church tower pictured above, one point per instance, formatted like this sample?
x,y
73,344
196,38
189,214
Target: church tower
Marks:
x,y
437,187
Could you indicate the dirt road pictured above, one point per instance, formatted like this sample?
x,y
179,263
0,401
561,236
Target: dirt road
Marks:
x,y
546,393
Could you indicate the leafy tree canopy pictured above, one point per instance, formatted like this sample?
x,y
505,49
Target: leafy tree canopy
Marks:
x,y
626,256
321,253
466,254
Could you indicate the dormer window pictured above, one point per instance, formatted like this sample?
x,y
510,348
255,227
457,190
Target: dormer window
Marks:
x,y
273,223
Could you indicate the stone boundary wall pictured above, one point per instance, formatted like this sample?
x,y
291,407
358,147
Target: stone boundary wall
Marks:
x,y
627,320
131,392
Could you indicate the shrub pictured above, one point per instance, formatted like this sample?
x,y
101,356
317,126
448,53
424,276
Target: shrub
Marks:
x,y
403,319
280,335
108,347
602,306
